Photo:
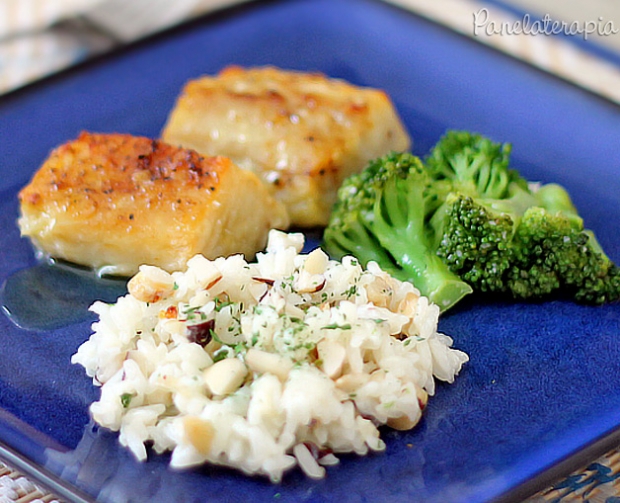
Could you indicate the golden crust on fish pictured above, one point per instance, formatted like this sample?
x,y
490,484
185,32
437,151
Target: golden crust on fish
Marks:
x,y
302,133
116,201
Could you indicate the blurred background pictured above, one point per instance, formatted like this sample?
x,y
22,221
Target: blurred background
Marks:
x,y
41,37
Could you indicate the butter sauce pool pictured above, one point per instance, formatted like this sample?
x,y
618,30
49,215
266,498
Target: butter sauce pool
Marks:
x,y
54,294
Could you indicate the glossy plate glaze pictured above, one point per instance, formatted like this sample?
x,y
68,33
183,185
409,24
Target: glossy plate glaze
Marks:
x,y
542,384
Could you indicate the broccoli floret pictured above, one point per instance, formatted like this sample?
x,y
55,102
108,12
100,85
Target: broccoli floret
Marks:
x,y
503,235
474,243
381,214
474,165
553,253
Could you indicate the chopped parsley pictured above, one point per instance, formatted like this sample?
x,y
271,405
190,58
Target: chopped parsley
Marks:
x,y
335,326
126,399
220,355
350,292
191,313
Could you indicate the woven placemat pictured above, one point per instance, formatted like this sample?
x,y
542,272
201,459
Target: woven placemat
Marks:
x,y
597,482
16,487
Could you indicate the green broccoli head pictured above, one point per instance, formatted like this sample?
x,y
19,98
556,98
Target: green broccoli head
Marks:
x,y
554,254
474,243
528,243
381,215
474,165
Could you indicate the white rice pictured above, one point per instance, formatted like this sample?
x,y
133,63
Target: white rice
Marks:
x,y
311,356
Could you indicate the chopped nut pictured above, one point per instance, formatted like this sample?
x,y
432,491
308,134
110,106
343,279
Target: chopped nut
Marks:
x,y
267,281
422,398
225,376
408,305
316,262
332,355
402,423
351,382
309,283
199,432
380,292
261,361
151,284
293,310
207,273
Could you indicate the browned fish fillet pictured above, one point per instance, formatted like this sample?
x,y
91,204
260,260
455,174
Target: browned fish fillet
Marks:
x,y
115,201
301,133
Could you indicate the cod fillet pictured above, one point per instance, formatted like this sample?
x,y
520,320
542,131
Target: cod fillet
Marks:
x,y
301,133
115,201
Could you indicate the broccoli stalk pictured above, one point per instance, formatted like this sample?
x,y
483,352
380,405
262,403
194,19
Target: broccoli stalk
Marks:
x,y
381,216
399,225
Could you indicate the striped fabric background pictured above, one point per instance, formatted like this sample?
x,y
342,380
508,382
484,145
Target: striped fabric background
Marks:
x,y
40,37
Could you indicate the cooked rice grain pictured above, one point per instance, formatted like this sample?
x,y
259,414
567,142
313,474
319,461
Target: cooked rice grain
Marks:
x,y
264,366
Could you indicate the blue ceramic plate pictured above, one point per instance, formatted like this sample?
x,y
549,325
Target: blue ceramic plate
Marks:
x,y
541,391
